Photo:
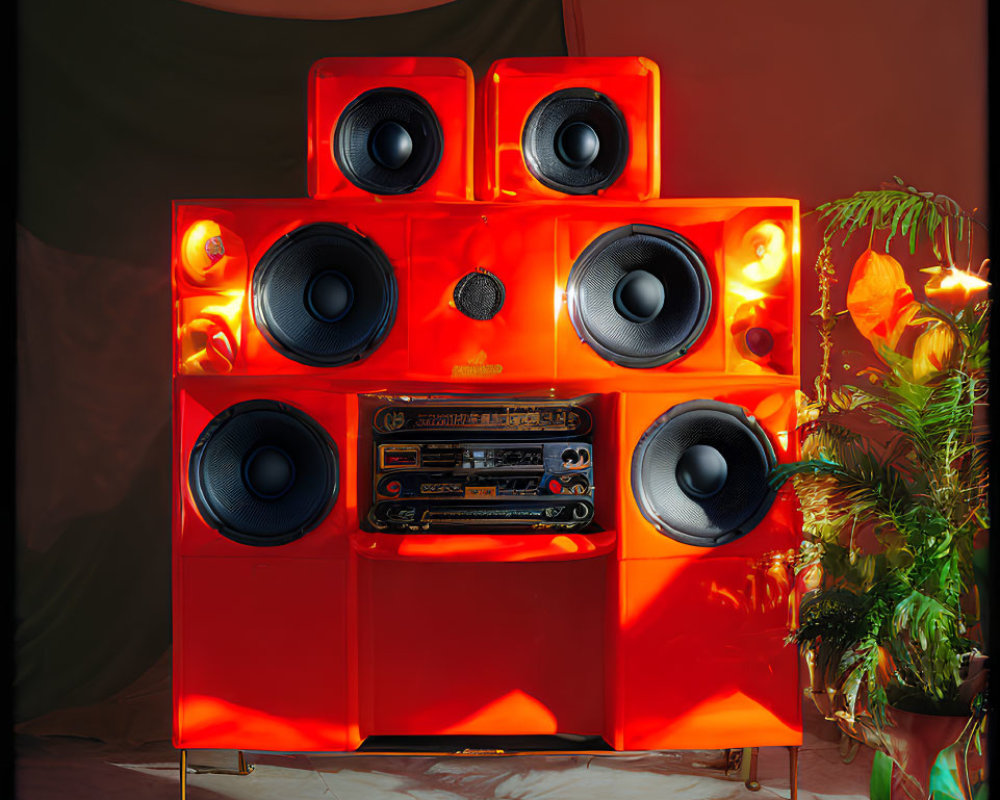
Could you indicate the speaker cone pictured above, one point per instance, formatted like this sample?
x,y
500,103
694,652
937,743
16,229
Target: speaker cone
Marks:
x,y
388,141
576,141
324,295
263,473
639,295
700,473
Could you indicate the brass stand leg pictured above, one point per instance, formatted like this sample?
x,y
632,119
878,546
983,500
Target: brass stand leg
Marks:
x,y
242,768
751,782
793,771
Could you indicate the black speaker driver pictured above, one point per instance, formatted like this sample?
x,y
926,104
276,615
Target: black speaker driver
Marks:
x,y
576,141
639,295
324,295
263,473
388,141
700,473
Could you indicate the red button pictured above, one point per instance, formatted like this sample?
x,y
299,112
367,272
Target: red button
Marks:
x,y
555,487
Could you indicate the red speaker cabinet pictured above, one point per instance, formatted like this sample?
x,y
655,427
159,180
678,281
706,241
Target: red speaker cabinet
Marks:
x,y
390,126
484,469
565,128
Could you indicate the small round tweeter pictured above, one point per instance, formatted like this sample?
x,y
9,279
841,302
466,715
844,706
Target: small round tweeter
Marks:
x,y
388,141
576,141
640,296
479,295
263,473
324,295
700,473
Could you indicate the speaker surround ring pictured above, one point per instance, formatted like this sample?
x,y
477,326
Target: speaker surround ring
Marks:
x,y
296,310
735,499
674,320
256,510
388,141
576,141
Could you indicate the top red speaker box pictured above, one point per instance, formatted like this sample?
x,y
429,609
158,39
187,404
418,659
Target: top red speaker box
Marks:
x,y
568,128
390,126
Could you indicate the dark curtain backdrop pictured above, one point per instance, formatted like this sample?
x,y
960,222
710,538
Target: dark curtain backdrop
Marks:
x,y
125,105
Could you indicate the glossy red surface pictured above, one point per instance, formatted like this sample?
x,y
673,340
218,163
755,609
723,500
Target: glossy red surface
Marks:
x,y
530,247
616,631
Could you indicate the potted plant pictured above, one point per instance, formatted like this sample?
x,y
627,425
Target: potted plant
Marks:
x,y
893,488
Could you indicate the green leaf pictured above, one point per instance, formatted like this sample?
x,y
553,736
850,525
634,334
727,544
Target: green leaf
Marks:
x,y
881,781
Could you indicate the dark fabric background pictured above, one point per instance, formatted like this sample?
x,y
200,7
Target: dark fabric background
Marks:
x,y
123,106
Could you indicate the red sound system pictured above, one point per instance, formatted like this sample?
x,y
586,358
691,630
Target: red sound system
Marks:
x,y
474,441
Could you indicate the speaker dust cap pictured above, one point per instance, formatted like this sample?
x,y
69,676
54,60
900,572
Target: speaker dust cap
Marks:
x,y
388,141
576,141
700,473
640,296
263,473
324,295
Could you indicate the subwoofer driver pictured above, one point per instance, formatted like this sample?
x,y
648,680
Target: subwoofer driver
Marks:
x,y
700,473
324,295
263,473
639,295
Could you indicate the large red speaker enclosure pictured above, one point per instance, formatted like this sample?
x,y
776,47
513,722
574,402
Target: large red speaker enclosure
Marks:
x,y
531,248
621,632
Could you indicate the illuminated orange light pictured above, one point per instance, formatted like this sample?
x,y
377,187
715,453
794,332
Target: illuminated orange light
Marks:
x,y
746,293
954,287
206,250
209,341
766,243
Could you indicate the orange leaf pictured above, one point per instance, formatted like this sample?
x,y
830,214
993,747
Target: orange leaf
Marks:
x,y
879,299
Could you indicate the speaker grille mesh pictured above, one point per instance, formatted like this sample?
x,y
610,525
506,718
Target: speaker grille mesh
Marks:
x,y
218,486
687,295
743,499
352,140
479,295
282,279
539,141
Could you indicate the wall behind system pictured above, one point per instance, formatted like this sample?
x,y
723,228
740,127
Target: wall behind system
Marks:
x,y
810,100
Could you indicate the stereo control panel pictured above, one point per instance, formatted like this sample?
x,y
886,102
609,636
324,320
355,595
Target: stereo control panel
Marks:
x,y
514,465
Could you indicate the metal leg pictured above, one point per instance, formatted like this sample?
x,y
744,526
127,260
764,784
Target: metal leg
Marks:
x,y
751,782
793,771
242,768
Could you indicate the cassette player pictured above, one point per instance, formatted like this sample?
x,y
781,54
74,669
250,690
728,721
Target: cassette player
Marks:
x,y
499,465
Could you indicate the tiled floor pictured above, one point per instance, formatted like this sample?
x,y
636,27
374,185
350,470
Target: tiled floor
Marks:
x,y
55,768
